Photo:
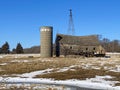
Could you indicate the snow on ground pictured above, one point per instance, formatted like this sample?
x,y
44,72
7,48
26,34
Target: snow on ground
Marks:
x,y
20,61
101,79
1,56
72,83
116,68
33,74
46,71
99,82
2,64
112,53
45,60
65,68
18,55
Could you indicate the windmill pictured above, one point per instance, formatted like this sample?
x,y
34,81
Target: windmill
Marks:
x,y
71,30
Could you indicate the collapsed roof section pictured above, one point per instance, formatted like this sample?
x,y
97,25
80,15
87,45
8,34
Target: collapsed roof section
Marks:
x,y
90,40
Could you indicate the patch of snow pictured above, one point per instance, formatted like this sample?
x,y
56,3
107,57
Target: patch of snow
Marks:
x,y
46,71
63,69
75,83
112,53
18,55
67,68
1,56
101,79
102,63
95,67
118,68
20,61
87,66
73,66
2,64
25,55
34,87
33,74
46,60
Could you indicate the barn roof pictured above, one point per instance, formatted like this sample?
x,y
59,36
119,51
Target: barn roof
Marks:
x,y
91,40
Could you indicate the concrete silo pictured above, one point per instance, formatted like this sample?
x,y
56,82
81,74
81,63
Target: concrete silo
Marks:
x,y
46,33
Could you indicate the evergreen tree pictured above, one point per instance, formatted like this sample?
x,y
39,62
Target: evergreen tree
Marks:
x,y
13,51
5,48
19,49
0,50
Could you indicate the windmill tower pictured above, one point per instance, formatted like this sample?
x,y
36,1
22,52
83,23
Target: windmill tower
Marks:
x,y
71,30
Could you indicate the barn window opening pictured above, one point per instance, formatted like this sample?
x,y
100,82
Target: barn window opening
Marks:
x,y
86,48
70,47
94,48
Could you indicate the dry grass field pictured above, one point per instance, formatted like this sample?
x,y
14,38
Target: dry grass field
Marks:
x,y
61,68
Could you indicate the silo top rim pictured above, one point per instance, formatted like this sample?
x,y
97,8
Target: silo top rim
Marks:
x,y
46,27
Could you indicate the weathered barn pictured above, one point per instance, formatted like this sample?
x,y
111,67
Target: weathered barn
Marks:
x,y
78,45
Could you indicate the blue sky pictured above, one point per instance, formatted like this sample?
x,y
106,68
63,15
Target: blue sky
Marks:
x,y
20,20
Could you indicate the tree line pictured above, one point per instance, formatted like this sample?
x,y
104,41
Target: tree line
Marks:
x,y
110,46
5,49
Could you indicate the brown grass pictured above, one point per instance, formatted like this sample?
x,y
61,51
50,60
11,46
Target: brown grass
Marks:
x,y
45,63
23,67
81,74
